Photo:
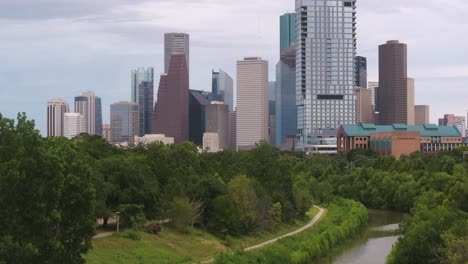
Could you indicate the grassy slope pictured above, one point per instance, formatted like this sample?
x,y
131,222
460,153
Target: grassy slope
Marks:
x,y
171,246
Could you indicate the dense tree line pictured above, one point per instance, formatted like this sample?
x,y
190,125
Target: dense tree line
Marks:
x,y
52,191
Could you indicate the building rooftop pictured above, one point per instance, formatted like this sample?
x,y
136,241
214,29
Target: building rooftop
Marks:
x,y
428,130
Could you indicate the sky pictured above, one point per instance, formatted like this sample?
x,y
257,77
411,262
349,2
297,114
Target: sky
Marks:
x,y
61,48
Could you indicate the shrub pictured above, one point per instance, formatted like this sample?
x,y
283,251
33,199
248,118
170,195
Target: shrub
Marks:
x,y
153,227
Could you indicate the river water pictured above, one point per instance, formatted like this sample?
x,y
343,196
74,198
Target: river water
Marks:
x,y
372,245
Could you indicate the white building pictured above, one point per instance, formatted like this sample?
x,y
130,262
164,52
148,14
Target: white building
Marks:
x,y
75,124
56,109
211,142
252,102
148,139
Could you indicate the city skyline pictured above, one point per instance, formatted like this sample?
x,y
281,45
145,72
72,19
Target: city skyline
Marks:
x,y
49,68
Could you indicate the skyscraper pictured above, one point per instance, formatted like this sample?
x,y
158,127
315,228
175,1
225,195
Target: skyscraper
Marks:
x,y
124,122
361,72
252,102
75,124
373,86
176,44
421,115
232,130
287,31
89,105
451,120
216,121
143,95
197,114
272,112
286,110
364,111
410,100
393,84
106,132
171,112
56,109
325,70
222,88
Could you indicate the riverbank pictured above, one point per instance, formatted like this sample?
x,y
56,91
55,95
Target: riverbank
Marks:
x,y
171,246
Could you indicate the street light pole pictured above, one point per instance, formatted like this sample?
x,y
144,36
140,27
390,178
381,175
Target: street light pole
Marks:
x,y
118,218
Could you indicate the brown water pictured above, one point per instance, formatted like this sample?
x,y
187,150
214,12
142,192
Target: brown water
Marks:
x,y
372,245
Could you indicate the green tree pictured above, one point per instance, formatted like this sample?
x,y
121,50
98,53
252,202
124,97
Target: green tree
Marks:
x,y
181,213
274,216
244,197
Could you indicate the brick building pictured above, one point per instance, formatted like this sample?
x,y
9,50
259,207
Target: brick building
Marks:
x,y
398,140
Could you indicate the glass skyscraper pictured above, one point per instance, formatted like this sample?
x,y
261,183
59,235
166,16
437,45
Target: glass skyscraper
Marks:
x,y
143,95
287,31
325,71
222,88
124,122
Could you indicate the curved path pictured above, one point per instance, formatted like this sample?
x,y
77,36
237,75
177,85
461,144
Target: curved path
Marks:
x,y
295,232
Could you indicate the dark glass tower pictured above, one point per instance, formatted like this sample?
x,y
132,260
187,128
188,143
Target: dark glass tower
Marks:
x,y
197,106
361,72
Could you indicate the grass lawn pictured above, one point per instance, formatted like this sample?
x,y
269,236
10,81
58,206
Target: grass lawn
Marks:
x,y
171,246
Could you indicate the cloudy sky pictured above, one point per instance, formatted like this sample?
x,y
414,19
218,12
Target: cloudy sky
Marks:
x,y
61,48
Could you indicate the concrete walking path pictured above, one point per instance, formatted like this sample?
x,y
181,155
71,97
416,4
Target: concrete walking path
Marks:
x,y
274,240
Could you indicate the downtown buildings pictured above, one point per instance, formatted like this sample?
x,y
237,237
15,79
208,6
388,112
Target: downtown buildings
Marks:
x,y
142,93
222,88
124,122
56,109
89,106
325,71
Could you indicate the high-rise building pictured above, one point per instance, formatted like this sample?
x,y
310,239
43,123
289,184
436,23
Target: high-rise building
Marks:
x,y
364,111
176,44
106,132
222,89
124,122
451,120
197,113
252,102
410,100
393,84
171,112
56,109
361,72
421,115
89,105
232,130
272,112
75,124
373,86
216,121
143,95
325,71
286,110
287,31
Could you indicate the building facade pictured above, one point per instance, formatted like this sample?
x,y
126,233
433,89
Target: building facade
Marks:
x,y
222,89
410,102
364,109
90,107
287,31
451,120
361,72
252,102
272,112
176,44
171,111
325,70
143,95
217,121
106,132
56,109
124,122
75,124
398,139
392,93
373,86
232,130
198,102
421,115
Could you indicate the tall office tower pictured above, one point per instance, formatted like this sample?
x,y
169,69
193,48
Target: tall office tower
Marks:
x,y
410,100
171,112
287,31
252,102
373,86
452,120
124,122
216,121
143,95
232,130
56,109
361,72
75,124
197,109
272,112
364,111
393,84
222,88
89,106
286,110
176,44
325,70
106,132
421,115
